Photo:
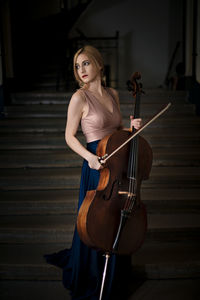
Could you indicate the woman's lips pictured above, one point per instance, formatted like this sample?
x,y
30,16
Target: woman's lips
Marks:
x,y
84,76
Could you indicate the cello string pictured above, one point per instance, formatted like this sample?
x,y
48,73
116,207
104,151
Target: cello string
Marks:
x,y
129,175
130,196
132,173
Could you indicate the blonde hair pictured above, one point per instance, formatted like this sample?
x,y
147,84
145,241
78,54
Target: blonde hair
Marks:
x,y
95,56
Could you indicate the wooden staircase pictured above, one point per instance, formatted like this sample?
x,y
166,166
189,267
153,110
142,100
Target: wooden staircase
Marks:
x,y
39,182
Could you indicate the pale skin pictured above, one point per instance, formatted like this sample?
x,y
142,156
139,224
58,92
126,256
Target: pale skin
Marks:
x,y
90,75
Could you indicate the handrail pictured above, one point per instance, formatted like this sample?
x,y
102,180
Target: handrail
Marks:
x,y
166,81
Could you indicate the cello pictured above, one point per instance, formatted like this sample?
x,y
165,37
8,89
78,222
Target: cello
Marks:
x,y
113,218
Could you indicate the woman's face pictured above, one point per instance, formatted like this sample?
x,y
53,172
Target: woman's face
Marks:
x,y
86,69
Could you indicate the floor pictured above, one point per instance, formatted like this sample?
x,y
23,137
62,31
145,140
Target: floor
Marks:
x,y
173,289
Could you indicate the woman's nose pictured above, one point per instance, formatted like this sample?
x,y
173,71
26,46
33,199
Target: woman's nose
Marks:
x,y
82,69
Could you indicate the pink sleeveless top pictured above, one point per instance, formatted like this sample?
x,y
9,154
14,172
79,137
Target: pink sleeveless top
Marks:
x,y
99,121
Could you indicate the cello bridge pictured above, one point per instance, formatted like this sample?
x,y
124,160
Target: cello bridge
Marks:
x,y
126,193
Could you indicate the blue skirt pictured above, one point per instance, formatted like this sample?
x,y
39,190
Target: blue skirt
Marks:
x,y
83,266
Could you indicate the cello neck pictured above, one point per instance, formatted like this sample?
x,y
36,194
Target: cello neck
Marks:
x,y
136,113
133,154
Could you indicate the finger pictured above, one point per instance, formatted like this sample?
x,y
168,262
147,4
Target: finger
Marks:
x,y
99,167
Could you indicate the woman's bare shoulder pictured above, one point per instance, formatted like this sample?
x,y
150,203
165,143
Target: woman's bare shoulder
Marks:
x,y
115,95
78,97
114,92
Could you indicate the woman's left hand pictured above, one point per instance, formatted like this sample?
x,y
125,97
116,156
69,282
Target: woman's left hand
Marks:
x,y
136,123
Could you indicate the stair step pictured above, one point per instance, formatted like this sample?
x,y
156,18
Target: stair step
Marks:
x,y
167,260
31,179
27,98
34,141
59,110
55,124
69,206
67,158
39,159
177,109
65,201
27,253
43,195
39,97
37,229
61,178
156,95
39,207
56,140
185,289
152,261
59,228
33,289
166,127
55,202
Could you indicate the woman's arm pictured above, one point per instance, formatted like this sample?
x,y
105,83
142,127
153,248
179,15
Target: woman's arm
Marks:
x,y
76,108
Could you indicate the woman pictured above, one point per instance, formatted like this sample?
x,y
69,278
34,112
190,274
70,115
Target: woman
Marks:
x,y
97,108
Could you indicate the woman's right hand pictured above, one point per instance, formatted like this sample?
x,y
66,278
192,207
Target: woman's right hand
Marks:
x,y
94,163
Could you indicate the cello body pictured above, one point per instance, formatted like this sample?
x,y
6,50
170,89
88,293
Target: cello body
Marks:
x,y
100,213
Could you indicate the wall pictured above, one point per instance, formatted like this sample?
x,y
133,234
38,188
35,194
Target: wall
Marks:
x,y
1,67
35,9
149,31
6,38
198,45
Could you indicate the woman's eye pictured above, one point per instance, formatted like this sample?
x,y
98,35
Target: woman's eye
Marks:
x,y
77,67
86,63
